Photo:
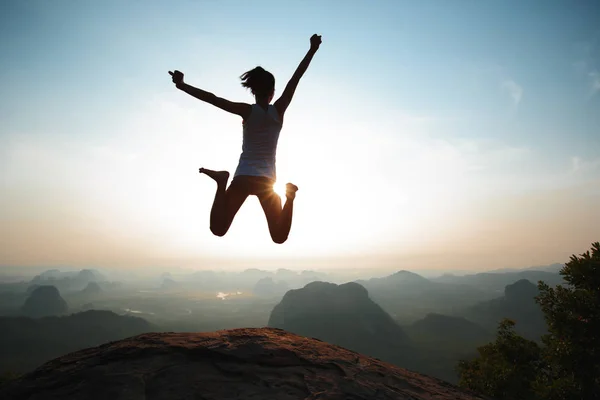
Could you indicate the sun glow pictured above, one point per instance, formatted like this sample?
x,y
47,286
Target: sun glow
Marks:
x,y
279,188
142,187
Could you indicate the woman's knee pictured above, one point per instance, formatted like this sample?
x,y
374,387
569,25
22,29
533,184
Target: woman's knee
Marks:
x,y
279,238
219,230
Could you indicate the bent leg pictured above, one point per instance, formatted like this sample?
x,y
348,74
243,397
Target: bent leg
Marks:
x,y
279,219
227,202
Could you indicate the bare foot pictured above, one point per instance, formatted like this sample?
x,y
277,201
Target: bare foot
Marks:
x,y
221,177
290,191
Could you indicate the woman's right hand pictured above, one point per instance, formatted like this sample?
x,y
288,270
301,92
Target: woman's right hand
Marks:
x,y
177,77
315,41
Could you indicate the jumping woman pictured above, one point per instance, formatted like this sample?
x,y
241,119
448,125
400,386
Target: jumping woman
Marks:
x,y
256,171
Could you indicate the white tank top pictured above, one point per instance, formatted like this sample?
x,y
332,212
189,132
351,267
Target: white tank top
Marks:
x,y
259,145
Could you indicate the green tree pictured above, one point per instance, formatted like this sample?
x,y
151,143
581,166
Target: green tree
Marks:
x,y
567,365
505,369
572,346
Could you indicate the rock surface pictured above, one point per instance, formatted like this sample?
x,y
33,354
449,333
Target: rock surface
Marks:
x,y
233,364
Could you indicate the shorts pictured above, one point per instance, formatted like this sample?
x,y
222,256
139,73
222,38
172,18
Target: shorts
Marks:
x,y
252,185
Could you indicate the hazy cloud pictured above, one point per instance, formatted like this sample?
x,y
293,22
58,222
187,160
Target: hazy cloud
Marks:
x,y
594,81
514,90
580,165
592,75
586,64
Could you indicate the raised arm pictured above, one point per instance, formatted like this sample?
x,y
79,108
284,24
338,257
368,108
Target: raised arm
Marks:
x,y
241,109
286,97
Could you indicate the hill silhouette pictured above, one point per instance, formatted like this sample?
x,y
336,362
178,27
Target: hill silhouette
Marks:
x,y
497,281
68,280
26,343
555,268
234,364
449,328
408,296
343,315
442,340
267,287
92,289
44,301
518,304
31,288
169,284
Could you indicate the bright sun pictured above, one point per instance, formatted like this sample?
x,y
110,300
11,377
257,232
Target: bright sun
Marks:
x,y
279,188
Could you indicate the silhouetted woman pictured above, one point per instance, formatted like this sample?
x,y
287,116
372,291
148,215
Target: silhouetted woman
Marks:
x,y
256,171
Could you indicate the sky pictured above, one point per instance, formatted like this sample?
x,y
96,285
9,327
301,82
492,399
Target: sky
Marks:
x,y
431,134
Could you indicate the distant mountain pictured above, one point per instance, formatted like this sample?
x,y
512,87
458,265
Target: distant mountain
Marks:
x,y
44,301
443,340
402,277
308,276
409,296
294,279
26,343
51,273
92,292
285,274
267,287
87,275
554,268
244,281
208,280
254,274
343,315
31,288
495,282
11,301
169,284
92,289
69,280
518,304
166,275
446,328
